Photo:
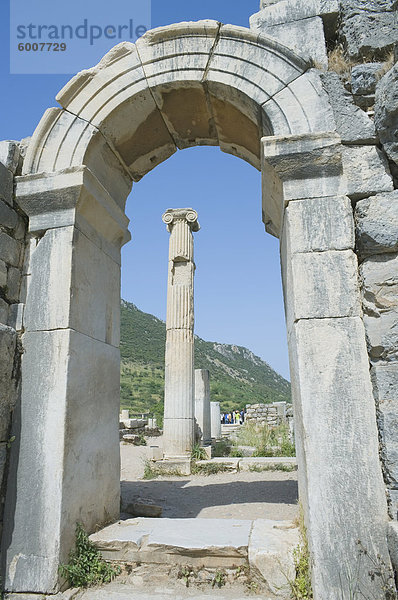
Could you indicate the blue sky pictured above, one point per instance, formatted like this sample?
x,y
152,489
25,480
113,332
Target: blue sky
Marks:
x,y
238,297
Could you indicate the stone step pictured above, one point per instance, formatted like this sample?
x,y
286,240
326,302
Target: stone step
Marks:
x,y
204,542
263,546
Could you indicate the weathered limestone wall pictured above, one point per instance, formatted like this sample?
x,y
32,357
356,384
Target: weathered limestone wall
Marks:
x,y
273,414
12,240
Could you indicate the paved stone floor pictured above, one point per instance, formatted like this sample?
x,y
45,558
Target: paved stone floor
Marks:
x,y
132,592
244,495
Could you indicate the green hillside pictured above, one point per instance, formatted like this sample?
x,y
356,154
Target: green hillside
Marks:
x,y
237,376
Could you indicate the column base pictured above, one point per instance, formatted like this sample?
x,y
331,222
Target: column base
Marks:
x,y
180,465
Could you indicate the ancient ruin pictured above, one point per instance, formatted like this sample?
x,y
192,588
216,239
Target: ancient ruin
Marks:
x,y
269,94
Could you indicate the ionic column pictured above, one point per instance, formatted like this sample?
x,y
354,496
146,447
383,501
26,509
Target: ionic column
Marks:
x,y
202,403
178,428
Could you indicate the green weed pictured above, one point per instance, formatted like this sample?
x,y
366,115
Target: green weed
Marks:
x,y
198,453
219,579
276,467
301,586
149,471
209,468
86,566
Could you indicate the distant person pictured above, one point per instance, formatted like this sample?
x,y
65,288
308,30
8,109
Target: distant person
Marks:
x,y
242,417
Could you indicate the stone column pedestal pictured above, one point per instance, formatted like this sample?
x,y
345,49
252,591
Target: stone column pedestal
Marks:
x,y
178,427
215,420
202,404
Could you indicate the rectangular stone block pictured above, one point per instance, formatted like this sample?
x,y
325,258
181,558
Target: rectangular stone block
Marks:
x,y
353,124
376,220
66,459
13,284
8,217
340,477
10,250
7,383
318,224
15,316
305,37
296,167
50,267
6,185
3,311
366,170
3,274
368,31
271,552
3,456
379,282
70,265
284,11
9,154
320,285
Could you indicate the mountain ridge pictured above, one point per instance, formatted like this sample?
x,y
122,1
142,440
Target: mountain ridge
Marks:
x,y
237,376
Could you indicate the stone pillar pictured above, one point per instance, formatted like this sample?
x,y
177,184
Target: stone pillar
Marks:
x,y
178,425
63,460
340,480
202,403
215,420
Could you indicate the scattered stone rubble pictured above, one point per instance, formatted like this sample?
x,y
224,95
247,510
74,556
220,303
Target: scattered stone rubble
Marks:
x,y
132,430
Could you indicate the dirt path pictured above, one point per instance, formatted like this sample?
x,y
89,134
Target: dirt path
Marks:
x,y
243,495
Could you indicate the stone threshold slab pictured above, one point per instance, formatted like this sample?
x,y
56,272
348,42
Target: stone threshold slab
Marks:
x,y
204,542
243,464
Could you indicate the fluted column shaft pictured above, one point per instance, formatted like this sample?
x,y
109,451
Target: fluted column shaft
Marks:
x,y
178,427
202,403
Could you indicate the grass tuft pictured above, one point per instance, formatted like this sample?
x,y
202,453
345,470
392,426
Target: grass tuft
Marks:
x,y
86,566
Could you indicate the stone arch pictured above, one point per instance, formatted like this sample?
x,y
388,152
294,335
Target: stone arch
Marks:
x,y
179,86
187,84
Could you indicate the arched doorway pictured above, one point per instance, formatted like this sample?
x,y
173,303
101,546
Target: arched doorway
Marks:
x,y
183,85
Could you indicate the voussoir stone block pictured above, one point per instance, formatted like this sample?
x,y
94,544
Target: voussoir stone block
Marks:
x,y
353,124
376,221
379,278
318,224
366,170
